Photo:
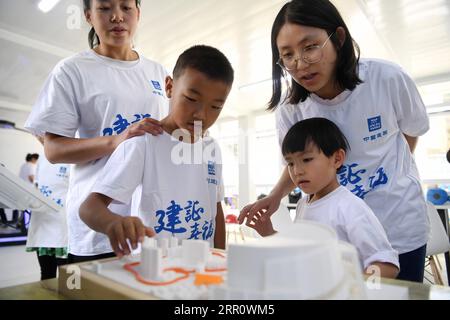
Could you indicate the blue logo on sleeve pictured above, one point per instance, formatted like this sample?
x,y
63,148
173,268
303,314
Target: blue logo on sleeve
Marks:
x,y
374,123
211,168
156,85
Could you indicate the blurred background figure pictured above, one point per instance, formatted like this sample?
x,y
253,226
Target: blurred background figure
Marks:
x,y
28,169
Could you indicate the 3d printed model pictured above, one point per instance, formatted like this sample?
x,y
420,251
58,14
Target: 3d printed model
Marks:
x,y
305,261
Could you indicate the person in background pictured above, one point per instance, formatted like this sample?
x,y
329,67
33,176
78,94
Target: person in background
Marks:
x,y
28,169
47,232
27,173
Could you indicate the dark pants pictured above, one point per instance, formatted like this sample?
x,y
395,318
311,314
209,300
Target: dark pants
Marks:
x,y
3,217
76,259
15,216
412,265
49,266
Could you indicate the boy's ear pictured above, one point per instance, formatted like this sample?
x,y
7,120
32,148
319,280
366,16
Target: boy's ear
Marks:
x,y
339,158
169,86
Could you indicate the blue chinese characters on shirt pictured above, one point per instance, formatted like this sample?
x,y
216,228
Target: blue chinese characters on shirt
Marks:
x,y
121,124
47,192
170,220
354,176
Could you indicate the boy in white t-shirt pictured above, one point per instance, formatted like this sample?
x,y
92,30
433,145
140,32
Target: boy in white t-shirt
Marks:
x,y
178,175
314,150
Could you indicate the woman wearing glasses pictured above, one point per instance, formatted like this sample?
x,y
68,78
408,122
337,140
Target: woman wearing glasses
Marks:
x,y
374,103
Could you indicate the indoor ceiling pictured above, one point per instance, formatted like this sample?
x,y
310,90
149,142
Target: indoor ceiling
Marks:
x,y
413,33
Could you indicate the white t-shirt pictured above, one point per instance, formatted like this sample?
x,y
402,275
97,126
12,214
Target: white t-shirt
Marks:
x,y
177,198
88,96
354,223
379,168
48,229
26,170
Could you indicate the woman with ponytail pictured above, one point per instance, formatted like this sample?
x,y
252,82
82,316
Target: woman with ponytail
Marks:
x,y
93,101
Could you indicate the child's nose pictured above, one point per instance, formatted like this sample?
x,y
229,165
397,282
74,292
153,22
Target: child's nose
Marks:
x,y
200,114
297,170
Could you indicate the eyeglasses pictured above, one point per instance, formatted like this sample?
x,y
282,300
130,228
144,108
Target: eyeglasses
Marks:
x,y
309,55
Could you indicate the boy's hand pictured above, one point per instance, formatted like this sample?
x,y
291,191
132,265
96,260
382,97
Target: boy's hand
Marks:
x,y
263,227
123,228
147,125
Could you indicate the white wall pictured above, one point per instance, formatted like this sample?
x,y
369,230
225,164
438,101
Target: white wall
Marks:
x,y
14,146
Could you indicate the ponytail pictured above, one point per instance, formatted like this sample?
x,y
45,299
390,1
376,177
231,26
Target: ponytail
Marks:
x,y
93,39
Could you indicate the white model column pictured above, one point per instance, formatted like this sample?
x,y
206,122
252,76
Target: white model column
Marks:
x,y
151,260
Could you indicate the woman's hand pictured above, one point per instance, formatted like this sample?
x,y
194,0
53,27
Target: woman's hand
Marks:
x,y
60,149
147,125
261,209
263,227
126,228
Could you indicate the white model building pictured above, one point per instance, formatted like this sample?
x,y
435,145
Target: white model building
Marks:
x,y
303,261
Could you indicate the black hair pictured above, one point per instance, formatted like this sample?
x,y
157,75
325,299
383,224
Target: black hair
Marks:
x,y
93,38
319,131
318,14
261,196
31,156
208,60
